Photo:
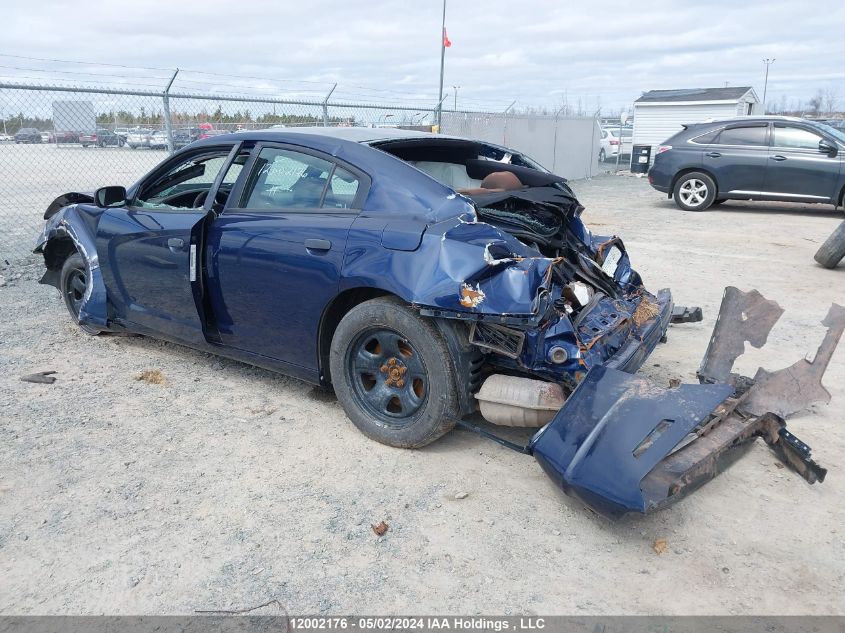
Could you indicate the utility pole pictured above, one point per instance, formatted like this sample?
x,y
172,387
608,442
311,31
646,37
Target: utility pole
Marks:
x,y
768,63
442,62
455,108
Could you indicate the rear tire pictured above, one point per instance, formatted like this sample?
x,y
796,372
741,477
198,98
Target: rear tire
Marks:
x,y
602,155
392,374
73,283
694,191
833,250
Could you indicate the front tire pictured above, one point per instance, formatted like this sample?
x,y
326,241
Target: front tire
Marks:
x,y
694,191
73,283
392,374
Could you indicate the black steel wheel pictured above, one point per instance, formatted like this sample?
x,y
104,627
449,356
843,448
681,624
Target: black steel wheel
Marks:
x,y
388,376
392,374
73,284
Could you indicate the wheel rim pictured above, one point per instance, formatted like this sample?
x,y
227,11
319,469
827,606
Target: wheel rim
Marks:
x,y
693,192
388,377
75,286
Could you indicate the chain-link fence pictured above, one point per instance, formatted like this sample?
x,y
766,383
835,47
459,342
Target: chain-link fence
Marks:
x,y
59,139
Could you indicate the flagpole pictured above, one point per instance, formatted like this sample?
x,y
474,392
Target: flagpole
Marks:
x,y
442,61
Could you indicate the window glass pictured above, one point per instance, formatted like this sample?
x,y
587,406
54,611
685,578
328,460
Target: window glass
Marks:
x,y
742,136
342,190
707,137
181,186
796,138
286,179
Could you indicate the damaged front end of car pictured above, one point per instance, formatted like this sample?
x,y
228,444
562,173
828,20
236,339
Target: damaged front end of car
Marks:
x,y
564,321
543,297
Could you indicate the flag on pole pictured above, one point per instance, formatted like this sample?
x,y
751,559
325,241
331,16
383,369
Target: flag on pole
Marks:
x,y
446,41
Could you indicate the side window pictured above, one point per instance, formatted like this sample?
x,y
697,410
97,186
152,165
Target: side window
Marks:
x,y
184,186
284,178
343,187
706,138
742,136
796,138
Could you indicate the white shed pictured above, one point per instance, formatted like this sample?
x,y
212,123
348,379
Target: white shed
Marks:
x,y
659,114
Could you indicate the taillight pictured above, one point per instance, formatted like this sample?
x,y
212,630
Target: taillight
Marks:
x,y
614,142
663,148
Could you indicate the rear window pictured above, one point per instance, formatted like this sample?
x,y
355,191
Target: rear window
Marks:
x,y
706,138
742,136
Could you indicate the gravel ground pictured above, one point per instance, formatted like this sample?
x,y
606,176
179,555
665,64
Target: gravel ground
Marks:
x,y
228,486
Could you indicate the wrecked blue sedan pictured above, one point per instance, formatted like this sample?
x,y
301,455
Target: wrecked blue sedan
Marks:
x,y
424,277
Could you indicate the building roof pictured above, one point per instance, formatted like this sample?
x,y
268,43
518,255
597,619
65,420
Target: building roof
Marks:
x,y
732,93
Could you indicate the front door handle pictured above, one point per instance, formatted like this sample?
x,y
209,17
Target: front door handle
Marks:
x,y
778,157
175,244
317,245
712,154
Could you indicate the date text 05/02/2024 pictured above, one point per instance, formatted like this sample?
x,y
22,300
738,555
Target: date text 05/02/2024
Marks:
x,y
450,623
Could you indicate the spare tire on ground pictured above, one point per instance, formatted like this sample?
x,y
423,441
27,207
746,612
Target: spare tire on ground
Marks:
x,y
833,250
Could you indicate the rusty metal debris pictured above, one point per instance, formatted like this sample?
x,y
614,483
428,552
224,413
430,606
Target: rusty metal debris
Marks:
x,y
645,311
743,316
152,376
798,386
41,377
380,528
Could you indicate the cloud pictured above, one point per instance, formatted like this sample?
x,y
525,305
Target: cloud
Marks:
x,y
535,51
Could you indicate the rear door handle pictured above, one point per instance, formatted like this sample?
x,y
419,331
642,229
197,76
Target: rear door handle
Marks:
x,y
317,245
175,244
712,154
778,157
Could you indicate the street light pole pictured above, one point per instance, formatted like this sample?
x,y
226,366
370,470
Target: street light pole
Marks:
x,y
768,63
442,62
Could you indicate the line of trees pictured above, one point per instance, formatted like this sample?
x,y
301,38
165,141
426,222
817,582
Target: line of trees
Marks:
x,y
824,103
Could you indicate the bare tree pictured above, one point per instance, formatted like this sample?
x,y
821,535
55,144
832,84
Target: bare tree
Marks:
x,y
815,103
830,99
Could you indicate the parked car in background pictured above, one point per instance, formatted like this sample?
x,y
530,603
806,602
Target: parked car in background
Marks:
x,y
122,132
65,137
138,137
28,135
158,140
100,138
751,158
6,138
184,136
615,141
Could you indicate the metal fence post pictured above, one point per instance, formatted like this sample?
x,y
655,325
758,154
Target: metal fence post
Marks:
x,y
326,107
168,125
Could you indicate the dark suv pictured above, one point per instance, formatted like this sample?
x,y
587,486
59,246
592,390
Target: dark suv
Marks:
x,y
751,158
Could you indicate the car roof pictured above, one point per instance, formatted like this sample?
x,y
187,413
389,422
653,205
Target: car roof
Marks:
x,y
758,119
368,135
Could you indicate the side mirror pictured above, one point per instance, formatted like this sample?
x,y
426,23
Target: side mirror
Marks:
x,y
827,148
106,197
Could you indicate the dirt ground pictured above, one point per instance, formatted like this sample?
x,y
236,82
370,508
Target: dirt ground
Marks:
x,y
228,486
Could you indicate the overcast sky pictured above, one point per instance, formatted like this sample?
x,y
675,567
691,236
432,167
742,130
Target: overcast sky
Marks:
x,y
538,52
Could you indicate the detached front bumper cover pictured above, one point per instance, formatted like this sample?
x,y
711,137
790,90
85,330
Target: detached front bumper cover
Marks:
x,y
621,444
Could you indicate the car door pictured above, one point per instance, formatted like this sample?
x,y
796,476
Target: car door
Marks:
x,y
148,249
738,158
275,253
798,168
